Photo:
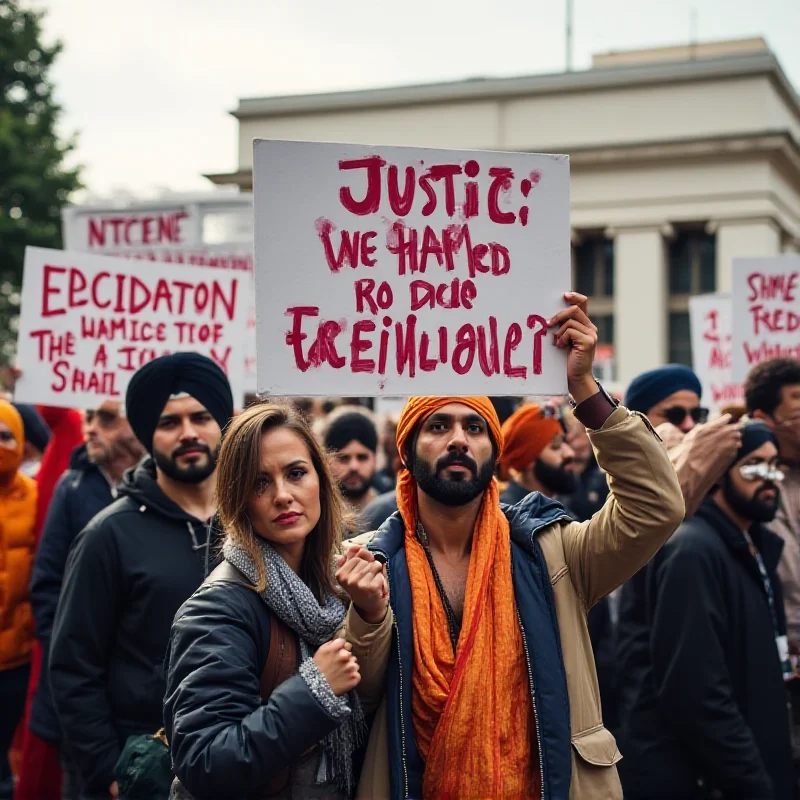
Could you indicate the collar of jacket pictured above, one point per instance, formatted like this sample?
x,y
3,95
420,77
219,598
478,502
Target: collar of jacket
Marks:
x,y
769,544
537,616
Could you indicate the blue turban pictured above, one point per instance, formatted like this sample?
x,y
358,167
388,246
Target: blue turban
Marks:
x,y
650,388
36,430
754,434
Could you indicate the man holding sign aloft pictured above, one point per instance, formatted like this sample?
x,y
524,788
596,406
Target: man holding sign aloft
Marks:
x,y
492,689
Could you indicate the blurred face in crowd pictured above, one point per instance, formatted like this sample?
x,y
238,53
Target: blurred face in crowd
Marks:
x,y
785,421
354,468
578,440
108,435
186,441
454,456
285,504
753,498
682,409
7,439
555,468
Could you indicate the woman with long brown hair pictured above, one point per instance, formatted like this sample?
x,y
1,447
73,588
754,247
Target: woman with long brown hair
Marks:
x,y
268,674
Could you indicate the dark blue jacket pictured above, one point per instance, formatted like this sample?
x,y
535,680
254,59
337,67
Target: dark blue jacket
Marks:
x,y
537,614
81,493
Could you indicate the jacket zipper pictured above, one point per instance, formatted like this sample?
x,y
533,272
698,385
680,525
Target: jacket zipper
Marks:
x,y
533,703
400,665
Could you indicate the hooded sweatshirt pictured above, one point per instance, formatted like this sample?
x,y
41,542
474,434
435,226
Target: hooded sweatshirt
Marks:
x,y
129,571
17,543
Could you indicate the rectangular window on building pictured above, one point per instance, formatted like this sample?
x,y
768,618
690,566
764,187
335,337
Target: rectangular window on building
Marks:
x,y
692,270
593,275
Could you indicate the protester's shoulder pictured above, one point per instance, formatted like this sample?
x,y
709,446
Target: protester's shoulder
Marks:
x,y
219,601
108,523
695,539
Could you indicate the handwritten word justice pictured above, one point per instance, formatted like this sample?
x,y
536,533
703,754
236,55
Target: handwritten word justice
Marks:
x,y
780,287
411,349
139,230
435,187
68,287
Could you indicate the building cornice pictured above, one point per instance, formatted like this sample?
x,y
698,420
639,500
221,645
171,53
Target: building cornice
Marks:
x,y
502,88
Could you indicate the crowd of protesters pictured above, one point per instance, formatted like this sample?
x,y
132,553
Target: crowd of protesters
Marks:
x,y
474,598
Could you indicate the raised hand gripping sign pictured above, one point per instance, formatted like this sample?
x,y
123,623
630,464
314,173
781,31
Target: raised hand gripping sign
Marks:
x,y
88,322
398,271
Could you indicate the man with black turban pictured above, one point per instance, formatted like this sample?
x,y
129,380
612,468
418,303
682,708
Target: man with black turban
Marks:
x,y
352,439
710,709
134,565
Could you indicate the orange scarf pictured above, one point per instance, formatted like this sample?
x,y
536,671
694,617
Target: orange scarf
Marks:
x,y
472,714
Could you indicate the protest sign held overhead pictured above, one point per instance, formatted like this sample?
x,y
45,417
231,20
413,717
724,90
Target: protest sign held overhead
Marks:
x,y
87,323
203,230
766,311
398,271
710,325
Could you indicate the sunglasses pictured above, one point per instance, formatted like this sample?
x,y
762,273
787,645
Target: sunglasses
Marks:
x,y
105,419
677,414
761,472
554,412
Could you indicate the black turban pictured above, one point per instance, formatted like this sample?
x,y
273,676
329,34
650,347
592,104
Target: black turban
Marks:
x,y
152,386
351,426
754,434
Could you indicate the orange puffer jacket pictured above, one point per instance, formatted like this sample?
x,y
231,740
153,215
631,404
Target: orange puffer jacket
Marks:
x,y
17,546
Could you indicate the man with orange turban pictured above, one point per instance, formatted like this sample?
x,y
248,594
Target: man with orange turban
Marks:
x,y
491,688
536,456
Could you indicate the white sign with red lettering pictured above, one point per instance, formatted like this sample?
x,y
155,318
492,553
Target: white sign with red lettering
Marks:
x,y
710,325
400,271
87,323
766,311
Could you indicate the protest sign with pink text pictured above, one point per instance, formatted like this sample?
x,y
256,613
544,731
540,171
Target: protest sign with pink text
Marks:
x,y
766,311
87,323
400,271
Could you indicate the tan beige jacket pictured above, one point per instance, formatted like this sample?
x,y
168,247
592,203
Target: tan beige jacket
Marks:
x,y
586,561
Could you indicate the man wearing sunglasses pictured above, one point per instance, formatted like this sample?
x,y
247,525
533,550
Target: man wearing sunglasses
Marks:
x,y
95,472
709,719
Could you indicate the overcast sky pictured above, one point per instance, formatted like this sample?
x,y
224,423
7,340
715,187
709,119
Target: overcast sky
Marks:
x,y
147,85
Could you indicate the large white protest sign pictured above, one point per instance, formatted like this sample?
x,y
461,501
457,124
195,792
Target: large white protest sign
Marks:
x,y
398,271
174,233
710,325
766,311
87,323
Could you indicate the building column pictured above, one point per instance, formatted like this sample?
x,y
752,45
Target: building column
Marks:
x,y
743,238
640,300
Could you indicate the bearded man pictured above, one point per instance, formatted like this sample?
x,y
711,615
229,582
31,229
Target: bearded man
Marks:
x,y
134,565
491,687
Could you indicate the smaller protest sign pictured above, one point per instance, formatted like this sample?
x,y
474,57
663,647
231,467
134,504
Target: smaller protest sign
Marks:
x,y
766,311
403,271
87,323
710,325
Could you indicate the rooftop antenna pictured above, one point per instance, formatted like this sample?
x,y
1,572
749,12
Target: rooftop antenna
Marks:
x,y
569,36
693,34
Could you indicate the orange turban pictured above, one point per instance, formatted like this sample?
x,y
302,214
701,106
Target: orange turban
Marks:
x,y
10,460
527,432
420,408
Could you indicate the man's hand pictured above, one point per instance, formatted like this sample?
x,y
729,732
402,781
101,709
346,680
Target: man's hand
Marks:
x,y
364,580
576,331
113,790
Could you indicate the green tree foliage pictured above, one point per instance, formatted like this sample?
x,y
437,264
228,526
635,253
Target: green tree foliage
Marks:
x,y
34,182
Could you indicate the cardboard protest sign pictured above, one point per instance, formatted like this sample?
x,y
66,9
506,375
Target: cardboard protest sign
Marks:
x,y
87,323
398,271
171,233
710,325
766,311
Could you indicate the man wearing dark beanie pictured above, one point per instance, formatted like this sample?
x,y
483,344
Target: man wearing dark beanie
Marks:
x,y
711,708
352,439
134,565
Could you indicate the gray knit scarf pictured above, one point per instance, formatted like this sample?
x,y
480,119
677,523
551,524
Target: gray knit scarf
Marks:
x,y
287,596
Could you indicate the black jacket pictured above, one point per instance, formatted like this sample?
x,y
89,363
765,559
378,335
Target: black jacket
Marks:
x,y
710,705
82,492
224,742
128,573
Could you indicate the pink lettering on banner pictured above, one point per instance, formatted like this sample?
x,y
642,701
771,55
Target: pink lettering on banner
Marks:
x,y
136,231
773,308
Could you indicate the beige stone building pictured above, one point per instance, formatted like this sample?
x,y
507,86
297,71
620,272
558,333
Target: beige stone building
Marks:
x,y
682,158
